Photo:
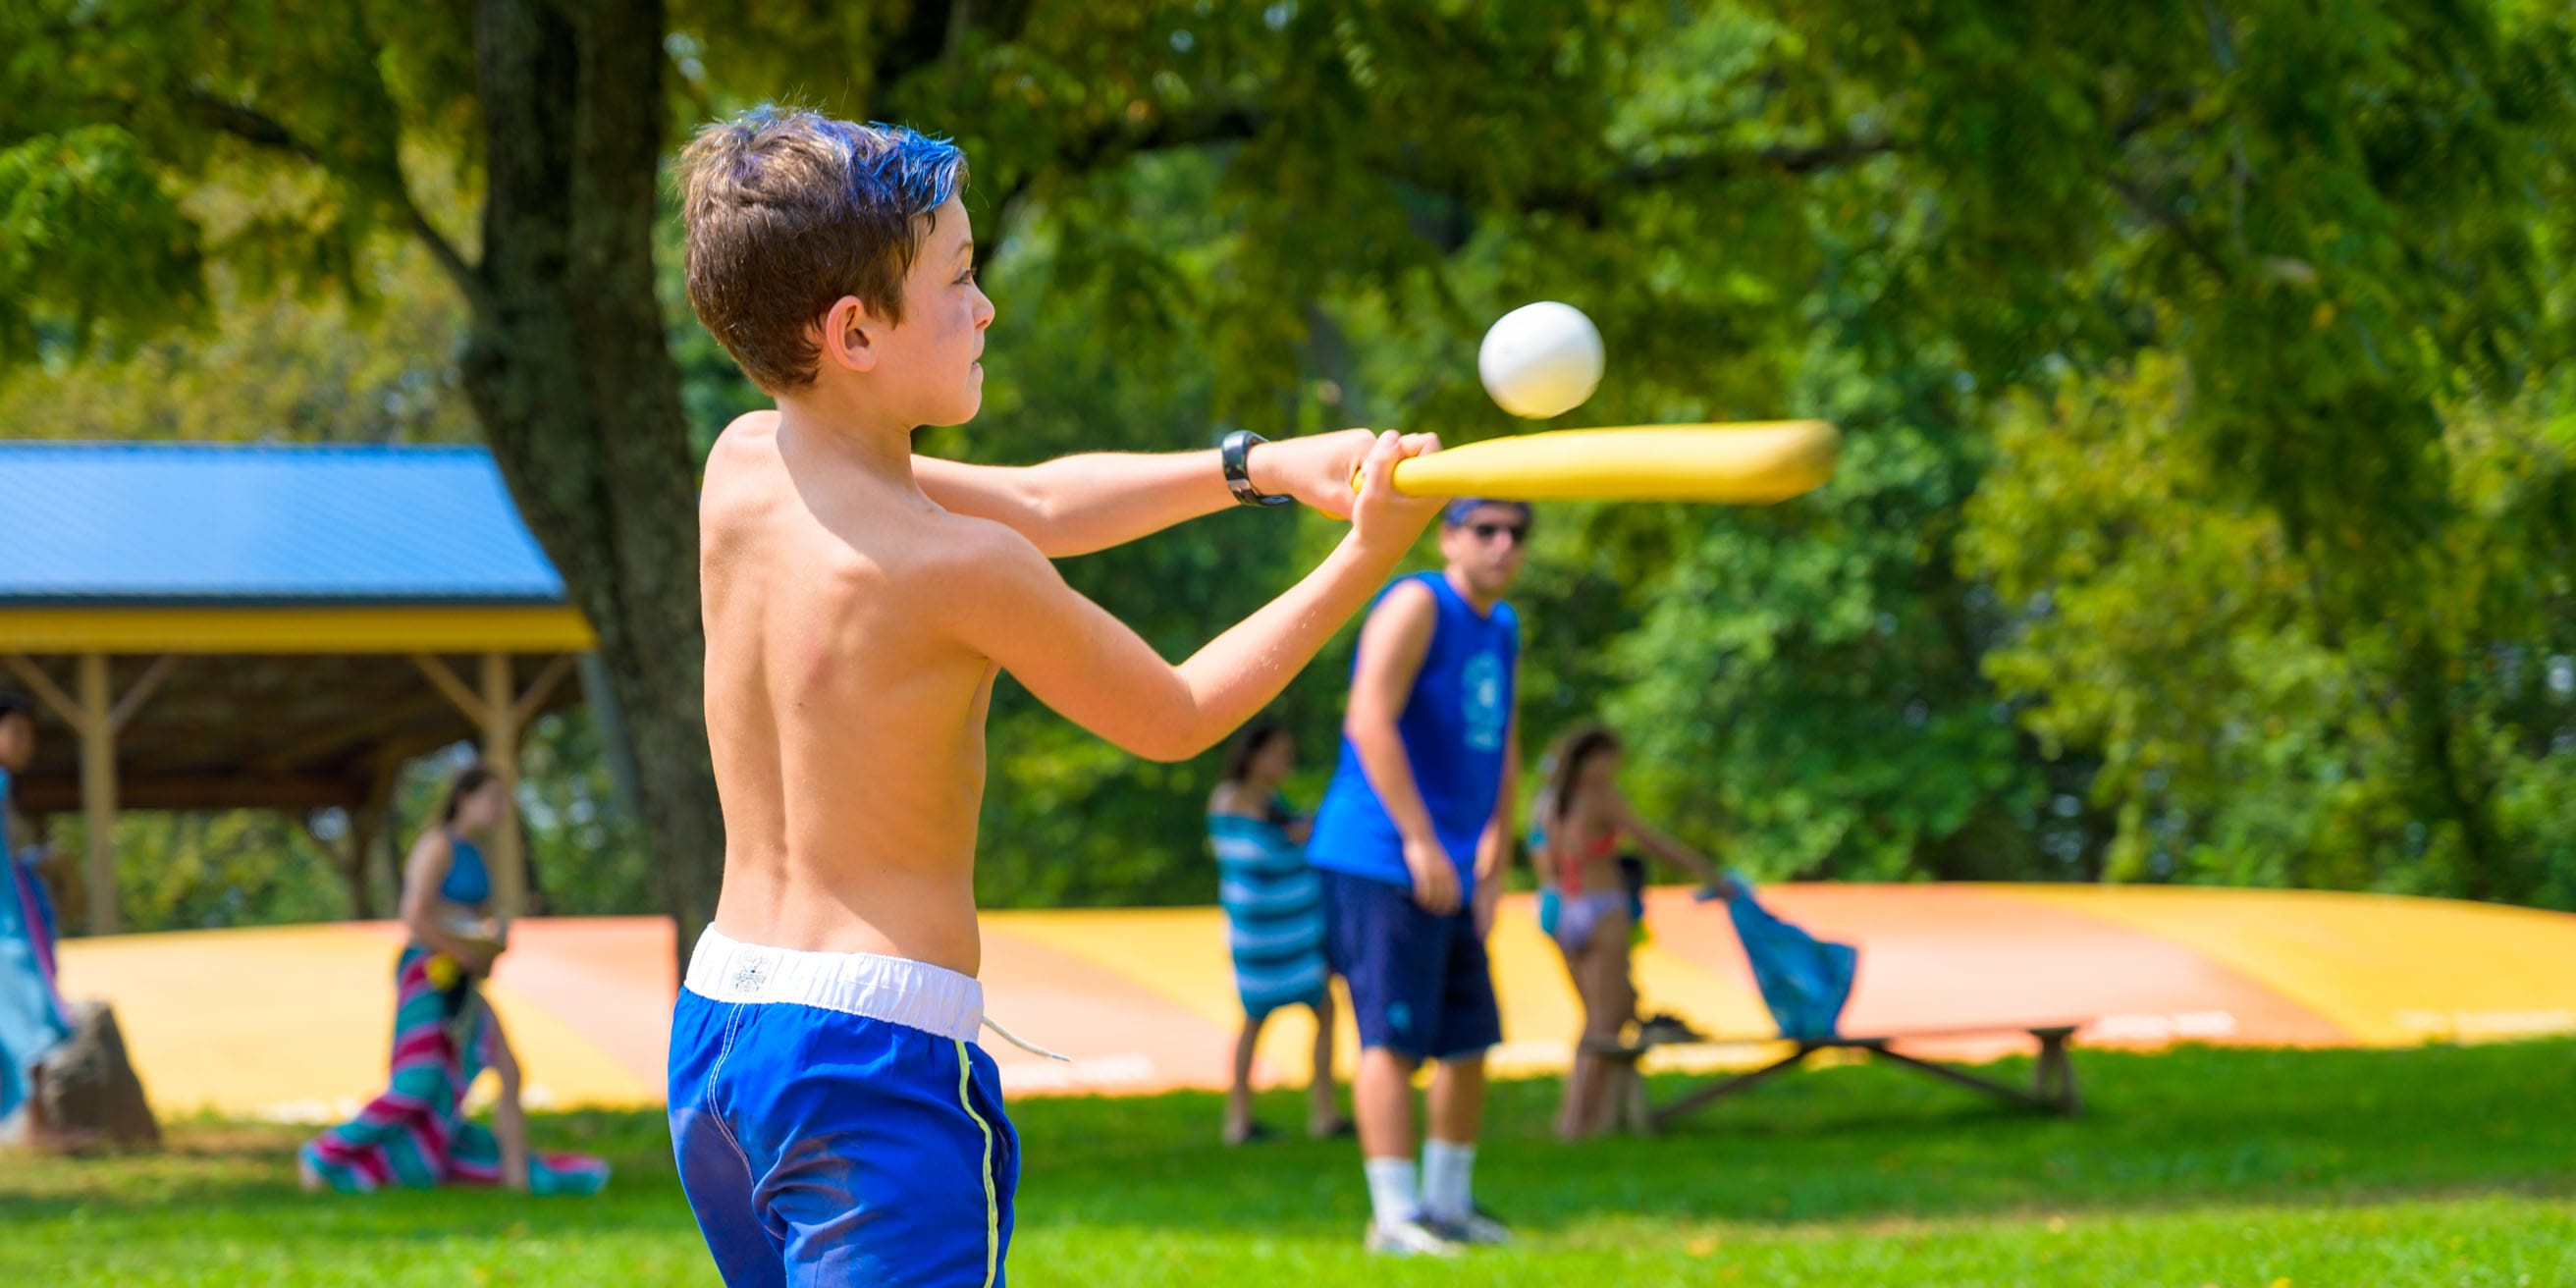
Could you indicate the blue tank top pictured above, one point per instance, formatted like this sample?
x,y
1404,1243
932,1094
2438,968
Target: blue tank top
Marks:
x,y
468,881
1453,729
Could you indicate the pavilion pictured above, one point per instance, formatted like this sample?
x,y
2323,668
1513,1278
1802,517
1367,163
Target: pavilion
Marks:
x,y
269,627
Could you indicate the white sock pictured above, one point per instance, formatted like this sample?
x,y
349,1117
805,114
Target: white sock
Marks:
x,y
1393,1198
1448,1179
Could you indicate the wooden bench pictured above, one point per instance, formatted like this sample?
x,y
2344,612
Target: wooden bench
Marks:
x,y
2052,1088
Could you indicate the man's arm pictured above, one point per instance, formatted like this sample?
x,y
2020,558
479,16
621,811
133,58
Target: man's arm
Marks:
x,y
1392,646
1006,602
1074,505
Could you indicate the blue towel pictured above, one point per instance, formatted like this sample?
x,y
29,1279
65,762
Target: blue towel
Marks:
x,y
1804,980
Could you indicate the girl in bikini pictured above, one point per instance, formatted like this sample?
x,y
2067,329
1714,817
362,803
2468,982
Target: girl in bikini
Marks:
x,y
1589,911
445,1034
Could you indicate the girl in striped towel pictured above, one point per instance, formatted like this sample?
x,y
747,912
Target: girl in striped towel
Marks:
x,y
1274,920
416,1134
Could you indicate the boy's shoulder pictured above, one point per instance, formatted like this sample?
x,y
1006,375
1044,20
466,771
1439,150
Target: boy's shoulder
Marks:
x,y
746,482
735,461
749,437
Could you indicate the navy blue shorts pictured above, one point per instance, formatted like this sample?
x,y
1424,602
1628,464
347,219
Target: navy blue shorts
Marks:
x,y
1420,984
835,1124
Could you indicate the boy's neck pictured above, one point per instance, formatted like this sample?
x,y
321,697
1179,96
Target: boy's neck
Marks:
x,y
875,444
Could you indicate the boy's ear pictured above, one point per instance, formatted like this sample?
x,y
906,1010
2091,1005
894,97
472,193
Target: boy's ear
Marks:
x,y
850,335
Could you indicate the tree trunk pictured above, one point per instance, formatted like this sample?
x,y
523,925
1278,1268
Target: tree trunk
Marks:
x,y
577,394
2449,792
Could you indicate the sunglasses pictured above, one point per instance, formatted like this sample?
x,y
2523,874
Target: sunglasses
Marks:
x,y
1489,531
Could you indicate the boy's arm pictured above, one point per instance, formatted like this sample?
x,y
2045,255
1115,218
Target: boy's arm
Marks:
x,y
1392,645
1075,505
1005,601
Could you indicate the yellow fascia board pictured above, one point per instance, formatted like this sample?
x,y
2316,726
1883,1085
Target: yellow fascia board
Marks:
x,y
405,629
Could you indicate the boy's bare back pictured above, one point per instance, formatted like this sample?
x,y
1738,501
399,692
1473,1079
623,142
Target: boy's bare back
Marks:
x,y
854,626
847,727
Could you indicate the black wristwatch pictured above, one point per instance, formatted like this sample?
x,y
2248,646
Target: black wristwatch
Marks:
x,y
1235,453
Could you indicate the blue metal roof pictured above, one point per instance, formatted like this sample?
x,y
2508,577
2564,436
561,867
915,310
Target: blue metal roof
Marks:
x,y
164,523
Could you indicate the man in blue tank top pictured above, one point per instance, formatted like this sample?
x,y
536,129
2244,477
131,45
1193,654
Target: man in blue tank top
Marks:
x,y
1415,817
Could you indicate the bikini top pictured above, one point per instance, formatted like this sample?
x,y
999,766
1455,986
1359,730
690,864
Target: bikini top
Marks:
x,y
1571,862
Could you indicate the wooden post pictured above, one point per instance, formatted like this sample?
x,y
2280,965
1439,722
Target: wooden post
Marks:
x,y
98,793
366,831
501,751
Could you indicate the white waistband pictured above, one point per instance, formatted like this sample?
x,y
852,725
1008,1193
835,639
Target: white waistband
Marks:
x,y
896,990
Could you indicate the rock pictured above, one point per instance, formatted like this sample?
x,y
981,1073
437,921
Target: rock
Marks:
x,y
88,1089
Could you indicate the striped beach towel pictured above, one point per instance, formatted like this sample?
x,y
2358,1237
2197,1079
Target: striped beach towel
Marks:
x,y
1274,912
416,1134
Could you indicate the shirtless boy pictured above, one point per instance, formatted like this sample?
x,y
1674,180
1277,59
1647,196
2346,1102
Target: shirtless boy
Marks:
x,y
834,1119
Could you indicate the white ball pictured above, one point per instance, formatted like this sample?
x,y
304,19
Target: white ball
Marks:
x,y
1541,360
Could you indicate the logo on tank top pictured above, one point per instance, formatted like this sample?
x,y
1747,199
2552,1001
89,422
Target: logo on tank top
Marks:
x,y
1483,680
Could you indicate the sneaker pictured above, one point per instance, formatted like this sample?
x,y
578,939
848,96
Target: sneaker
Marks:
x,y
1477,1229
1416,1238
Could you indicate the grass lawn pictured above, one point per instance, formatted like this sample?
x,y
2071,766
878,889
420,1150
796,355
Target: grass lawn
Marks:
x,y
2443,1166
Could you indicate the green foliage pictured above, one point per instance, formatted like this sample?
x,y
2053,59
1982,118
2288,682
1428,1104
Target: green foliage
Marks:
x,y
2251,731
269,366
2404,1169
276,138
78,209
204,871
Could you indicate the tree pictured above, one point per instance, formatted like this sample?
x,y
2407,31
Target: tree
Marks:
x,y
554,117
2251,733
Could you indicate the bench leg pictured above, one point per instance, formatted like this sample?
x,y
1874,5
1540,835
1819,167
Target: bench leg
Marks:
x,y
1973,1082
2055,1074
1701,1098
1635,1115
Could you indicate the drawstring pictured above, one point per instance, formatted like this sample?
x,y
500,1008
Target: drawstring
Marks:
x,y
1031,1048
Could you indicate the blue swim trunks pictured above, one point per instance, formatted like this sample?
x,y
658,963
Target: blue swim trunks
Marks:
x,y
835,1122
1421,985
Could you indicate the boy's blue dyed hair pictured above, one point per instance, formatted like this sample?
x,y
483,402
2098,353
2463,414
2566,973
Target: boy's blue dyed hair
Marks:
x,y
787,211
